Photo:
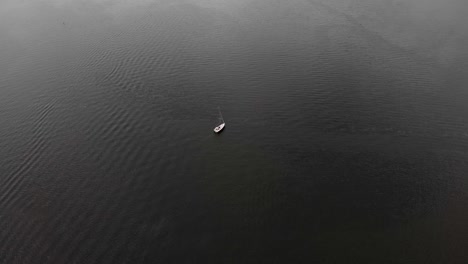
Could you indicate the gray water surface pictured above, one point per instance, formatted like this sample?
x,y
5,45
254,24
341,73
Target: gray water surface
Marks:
x,y
346,137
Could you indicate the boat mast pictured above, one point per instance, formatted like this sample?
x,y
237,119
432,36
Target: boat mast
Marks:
x,y
221,115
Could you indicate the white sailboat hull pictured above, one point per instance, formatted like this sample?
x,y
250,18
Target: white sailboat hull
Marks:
x,y
219,128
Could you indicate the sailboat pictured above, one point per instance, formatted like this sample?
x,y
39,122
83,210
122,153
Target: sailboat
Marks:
x,y
220,127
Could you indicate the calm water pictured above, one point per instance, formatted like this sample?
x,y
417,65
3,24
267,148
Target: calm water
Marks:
x,y
346,137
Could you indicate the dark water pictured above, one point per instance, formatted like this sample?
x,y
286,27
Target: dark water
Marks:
x,y
346,137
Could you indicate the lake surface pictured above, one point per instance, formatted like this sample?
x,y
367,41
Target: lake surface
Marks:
x,y
346,137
